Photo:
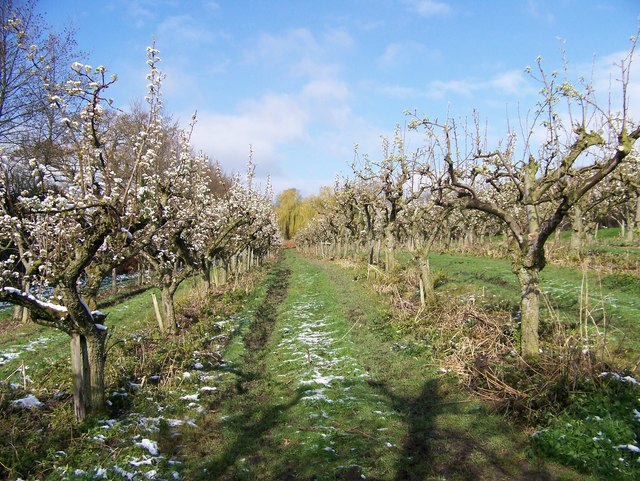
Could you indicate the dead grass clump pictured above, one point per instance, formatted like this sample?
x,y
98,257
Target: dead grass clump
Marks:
x,y
346,263
480,347
477,339
482,352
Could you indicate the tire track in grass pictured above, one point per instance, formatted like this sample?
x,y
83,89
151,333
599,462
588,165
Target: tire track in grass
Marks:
x,y
339,425
324,392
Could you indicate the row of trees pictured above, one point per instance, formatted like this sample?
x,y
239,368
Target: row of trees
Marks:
x,y
96,187
572,157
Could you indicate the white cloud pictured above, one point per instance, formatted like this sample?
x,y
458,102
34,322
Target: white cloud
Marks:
x,y
338,38
300,52
141,12
533,8
325,89
292,43
184,29
390,55
607,76
510,82
266,124
431,8
406,53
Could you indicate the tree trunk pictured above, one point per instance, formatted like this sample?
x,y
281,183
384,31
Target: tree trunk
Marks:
x,y
168,308
88,358
207,275
634,220
637,212
577,230
19,312
428,294
216,277
371,250
114,281
390,241
529,278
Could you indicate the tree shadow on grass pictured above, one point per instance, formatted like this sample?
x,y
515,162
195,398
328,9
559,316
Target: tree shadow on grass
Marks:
x,y
447,440
245,434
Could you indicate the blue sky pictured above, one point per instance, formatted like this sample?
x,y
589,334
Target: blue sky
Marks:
x,y
304,81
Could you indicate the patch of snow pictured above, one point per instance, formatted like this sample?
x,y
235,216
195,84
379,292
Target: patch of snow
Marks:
x,y
8,356
317,396
617,376
108,422
125,474
29,401
190,397
323,380
149,445
145,461
41,303
100,473
630,447
198,365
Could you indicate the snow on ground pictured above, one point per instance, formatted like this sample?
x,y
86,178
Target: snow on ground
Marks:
x,y
29,401
184,402
314,355
14,352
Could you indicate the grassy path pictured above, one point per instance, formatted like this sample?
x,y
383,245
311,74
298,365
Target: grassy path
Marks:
x,y
319,387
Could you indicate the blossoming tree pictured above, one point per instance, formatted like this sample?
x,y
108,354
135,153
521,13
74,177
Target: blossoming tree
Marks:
x,y
84,207
571,145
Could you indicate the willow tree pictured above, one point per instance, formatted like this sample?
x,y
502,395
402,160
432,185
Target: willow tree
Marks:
x,y
531,185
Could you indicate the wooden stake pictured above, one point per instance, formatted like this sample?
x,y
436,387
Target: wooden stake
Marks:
x,y
157,310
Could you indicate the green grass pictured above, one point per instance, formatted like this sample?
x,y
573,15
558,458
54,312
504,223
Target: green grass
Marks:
x,y
614,297
315,382
597,430
150,381
335,392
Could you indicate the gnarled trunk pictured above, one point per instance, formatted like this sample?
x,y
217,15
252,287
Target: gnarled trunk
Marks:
x,y
88,358
577,230
21,313
390,253
207,268
168,308
427,285
529,278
